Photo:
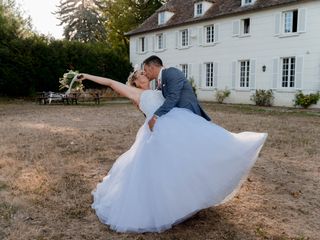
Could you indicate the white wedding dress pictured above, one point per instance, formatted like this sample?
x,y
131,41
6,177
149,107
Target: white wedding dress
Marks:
x,y
186,164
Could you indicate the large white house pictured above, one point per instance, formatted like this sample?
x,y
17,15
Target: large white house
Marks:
x,y
242,45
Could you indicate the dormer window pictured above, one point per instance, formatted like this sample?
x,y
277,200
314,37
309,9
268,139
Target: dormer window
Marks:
x,y
247,2
161,18
164,17
201,7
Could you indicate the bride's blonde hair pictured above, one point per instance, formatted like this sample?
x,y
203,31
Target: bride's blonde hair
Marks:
x,y
132,77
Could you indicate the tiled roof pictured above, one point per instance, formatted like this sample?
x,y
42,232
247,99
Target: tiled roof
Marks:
x,y
184,12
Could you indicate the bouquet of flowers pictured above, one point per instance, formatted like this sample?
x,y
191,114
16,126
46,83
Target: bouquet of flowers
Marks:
x,y
67,81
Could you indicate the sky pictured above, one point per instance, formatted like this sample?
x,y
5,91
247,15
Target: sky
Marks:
x,y
43,20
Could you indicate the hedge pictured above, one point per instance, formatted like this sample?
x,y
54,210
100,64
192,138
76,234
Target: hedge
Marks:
x,y
35,64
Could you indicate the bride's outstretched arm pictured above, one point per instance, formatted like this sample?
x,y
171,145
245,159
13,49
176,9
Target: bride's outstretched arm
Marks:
x,y
122,89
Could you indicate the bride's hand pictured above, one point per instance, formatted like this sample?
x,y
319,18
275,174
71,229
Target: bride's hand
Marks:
x,y
81,77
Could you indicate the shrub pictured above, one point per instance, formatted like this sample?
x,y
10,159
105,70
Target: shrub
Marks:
x,y
305,100
263,97
221,95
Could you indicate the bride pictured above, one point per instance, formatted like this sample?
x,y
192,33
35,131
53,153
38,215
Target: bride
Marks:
x,y
184,165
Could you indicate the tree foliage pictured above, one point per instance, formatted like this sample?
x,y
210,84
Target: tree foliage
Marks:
x,y
125,15
12,23
104,20
82,20
30,63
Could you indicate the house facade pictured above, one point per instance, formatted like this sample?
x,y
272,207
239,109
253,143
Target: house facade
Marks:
x,y
241,45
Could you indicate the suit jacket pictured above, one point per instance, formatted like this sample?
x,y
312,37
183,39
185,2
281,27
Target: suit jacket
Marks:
x,y
178,92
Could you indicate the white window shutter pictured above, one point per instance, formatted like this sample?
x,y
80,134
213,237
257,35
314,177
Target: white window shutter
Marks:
x,y
164,41
252,77
154,43
277,23
275,73
137,45
190,71
177,39
302,20
200,75
236,28
200,36
215,72
189,36
216,32
146,42
299,70
194,32
234,74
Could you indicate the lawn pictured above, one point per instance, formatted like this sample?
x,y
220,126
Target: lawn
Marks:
x,y
52,157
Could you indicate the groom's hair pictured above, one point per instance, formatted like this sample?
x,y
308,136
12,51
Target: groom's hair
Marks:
x,y
153,60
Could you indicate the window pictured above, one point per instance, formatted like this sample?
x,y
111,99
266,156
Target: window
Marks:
x,y
164,17
288,72
184,38
245,25
161,18
209,74
247,2
209,34
244,73
142,44
199,9
290,21
160,41
185,69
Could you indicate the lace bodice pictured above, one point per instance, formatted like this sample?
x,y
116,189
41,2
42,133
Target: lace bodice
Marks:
x,y
150,101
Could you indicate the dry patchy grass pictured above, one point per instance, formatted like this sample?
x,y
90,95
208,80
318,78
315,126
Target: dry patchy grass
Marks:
x,y
51,158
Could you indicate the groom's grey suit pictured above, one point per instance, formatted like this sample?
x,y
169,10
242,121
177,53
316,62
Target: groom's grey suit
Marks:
x,y
178,92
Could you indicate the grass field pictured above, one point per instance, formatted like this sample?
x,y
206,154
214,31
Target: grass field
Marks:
x,y
52,157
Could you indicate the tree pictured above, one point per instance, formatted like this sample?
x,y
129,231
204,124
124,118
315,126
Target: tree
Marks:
x,y
13,27
30,63
124,15
82,19
12,24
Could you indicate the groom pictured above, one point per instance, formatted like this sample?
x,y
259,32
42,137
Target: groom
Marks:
x,y
175,88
